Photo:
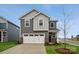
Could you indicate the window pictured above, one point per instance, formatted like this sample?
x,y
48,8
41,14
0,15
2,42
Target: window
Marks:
x,y
41,35
41,22
27,23
2,25
36,35
52,24
31,35
25,35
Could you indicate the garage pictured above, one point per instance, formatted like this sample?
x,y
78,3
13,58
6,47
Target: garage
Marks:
x,y
33,38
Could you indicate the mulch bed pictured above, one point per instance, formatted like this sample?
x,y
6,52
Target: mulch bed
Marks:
x,y
64,51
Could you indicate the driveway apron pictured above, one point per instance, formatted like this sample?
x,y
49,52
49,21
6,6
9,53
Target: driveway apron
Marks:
x,y
26,49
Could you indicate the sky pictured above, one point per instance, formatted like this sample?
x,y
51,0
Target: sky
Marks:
x,y
13,12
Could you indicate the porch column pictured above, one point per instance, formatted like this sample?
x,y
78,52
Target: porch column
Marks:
x,y
58,40
2,36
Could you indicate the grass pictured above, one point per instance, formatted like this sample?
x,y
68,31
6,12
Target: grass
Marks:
x,y
50,49
7,45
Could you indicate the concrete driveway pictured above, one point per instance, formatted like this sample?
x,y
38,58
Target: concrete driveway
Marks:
x,y
26,49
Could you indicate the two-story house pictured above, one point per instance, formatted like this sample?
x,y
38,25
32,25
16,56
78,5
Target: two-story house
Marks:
x,y
8,30
37,27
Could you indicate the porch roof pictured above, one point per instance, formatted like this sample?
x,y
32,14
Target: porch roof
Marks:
x,y
3,30
54,30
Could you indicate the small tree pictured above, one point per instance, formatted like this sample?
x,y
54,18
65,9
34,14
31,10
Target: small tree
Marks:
x,y
65,24
64,28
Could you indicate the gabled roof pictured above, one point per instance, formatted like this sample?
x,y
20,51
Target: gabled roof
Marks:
x,y
35,15
29,12
8,21
3,18
39,14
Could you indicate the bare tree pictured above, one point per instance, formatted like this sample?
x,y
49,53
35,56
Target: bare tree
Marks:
x,y
65,26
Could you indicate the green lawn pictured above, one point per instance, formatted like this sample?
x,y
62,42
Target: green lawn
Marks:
x,y
50,49
7,45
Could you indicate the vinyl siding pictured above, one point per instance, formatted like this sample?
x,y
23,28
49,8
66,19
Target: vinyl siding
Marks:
x,y
13,32
54,25
37,27
22,23
30,15
34,25
30,29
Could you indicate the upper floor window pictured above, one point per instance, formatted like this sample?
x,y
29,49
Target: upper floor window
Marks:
x,y
41,22
52,24
27,23
2,25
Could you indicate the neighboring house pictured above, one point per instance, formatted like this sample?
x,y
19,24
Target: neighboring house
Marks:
x,y
77,37
37,27
8,30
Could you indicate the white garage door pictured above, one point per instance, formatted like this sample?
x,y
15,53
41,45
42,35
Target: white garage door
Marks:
x,y
33,38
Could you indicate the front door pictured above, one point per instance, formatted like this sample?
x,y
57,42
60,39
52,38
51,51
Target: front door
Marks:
x,y
0,36
52,37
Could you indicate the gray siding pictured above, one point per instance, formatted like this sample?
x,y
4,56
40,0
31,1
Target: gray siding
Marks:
x,y
30,29
51,28
10,29
26,29
13,32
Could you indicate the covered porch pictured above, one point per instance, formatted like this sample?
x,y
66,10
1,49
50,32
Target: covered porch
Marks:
x,y
53,36
3,35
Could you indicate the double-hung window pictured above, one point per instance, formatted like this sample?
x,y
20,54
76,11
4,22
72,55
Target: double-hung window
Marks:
x,y
41,22
27,23
52,24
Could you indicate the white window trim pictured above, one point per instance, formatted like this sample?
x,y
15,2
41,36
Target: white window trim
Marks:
x,y
53,25
42,21
25,23
6,24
